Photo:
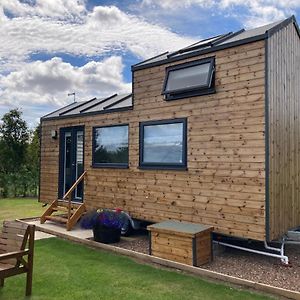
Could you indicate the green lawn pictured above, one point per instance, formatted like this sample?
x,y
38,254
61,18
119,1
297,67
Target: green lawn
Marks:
x,y
15,208
63,270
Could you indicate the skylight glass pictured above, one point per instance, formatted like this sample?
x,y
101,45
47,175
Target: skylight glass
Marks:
x,y
189,79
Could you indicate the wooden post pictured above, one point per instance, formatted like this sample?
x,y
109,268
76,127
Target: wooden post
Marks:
x,y
1,282
30,260
69,208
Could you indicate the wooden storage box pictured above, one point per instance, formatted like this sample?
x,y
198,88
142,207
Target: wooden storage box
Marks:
x,y
182,242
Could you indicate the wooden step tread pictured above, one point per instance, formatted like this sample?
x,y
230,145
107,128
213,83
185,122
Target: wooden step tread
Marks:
x,y
63,203
57,219
62,208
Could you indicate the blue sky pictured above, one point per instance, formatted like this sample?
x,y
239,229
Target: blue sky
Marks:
x,y
50,48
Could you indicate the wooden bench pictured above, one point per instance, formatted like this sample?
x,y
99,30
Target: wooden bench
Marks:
x,y
182,242
14,239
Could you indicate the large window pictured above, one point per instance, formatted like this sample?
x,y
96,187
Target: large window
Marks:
x,y
189,79
163,144
110,146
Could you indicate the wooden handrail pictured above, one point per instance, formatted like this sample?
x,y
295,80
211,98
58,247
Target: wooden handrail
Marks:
x,y
72,188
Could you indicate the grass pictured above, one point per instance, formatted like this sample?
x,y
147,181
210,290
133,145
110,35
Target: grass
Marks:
x,y
63,270
15,208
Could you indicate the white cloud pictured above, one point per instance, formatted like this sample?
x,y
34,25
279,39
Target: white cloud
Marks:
x,y
66,26
258,12
60,9
100,31
261,12
44,85
176,4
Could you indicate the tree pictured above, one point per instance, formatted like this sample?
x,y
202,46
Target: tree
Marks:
x,y
14,136
33,159
3,175
19,156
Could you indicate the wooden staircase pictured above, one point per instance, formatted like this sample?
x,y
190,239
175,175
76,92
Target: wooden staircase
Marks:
x,y
64,210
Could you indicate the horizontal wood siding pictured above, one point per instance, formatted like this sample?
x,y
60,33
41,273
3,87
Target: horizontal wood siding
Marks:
x,y
284,133
224,185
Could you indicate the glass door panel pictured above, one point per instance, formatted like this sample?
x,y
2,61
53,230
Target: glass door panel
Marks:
x,y
79,164
71,161
68,162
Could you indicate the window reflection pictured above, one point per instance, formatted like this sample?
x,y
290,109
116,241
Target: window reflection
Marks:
x,y
111,145
163,143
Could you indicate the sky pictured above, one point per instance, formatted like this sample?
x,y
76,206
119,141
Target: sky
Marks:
x,y
50,48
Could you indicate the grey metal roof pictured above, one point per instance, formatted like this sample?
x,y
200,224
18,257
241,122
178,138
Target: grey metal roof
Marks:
x,y
251,33
93,106
214,43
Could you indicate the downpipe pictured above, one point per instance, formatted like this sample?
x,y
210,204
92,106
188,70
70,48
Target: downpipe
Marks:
x,y
284,259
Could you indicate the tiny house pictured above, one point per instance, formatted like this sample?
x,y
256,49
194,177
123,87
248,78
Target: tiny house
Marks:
x,y
209,135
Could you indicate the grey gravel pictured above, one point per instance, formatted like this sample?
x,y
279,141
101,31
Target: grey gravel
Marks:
x,y
254,267
259,268
138,244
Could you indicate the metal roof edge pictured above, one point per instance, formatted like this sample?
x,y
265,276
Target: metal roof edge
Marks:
x,y
92,113
56,110
200,52
220,37
117,102
296,25
229,36
100,101
156,56
80,104
283,24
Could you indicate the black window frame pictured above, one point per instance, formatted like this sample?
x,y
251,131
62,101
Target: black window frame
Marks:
x,y
200,90
163,166
108,165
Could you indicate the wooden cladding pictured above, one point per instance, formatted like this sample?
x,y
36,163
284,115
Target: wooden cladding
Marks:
x,y
284,130
224,184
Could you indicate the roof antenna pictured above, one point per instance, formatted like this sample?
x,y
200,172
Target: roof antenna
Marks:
x,y
72,94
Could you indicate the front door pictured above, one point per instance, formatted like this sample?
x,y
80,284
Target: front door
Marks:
x,y
71,161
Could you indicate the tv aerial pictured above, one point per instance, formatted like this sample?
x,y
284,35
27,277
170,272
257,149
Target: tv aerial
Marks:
x,y
72,94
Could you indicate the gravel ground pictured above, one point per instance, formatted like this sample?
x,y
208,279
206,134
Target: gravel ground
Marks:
x,y
138,242
258,268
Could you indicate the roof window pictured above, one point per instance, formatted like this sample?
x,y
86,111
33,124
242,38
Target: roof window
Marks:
x,y
189,79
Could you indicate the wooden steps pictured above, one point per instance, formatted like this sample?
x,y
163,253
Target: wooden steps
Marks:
x,y
61,206
71,211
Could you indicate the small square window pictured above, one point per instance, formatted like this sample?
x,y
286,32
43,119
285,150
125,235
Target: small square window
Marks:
x,y
110,146
163,144
189,79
